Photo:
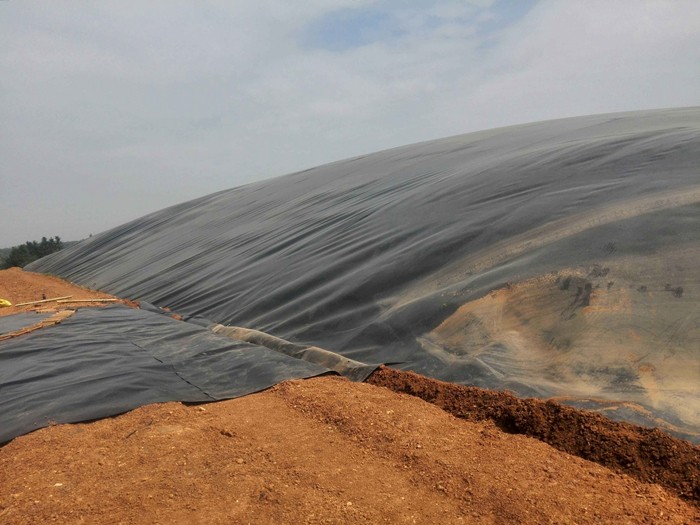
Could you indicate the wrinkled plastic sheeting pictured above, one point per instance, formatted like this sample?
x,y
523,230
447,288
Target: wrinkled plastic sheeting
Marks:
x,y
105,361
555,259
349,368
11,323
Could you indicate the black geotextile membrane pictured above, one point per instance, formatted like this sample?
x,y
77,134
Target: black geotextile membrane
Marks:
x,y
105,361
11,323
554,259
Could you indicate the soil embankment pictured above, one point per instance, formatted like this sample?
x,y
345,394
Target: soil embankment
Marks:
x,y
323,450
649,455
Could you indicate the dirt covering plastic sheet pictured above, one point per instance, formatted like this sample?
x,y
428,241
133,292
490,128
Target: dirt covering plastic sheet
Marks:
x,y
105,361
556,259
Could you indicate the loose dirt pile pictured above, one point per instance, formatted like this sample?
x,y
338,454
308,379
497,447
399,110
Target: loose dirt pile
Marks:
x,y
318,451
649,455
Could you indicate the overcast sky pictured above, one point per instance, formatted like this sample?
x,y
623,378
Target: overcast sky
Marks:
x,y
112,109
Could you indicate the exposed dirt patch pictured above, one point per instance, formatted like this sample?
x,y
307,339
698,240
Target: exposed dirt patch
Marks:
x,y
18,286
318,451
589,333
649,455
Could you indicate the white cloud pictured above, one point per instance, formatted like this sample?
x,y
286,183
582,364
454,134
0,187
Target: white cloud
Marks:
x,y
120,108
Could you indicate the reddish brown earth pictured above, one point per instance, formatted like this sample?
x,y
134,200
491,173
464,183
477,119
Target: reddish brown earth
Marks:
x,y
318,451
649,455
18,286
327,450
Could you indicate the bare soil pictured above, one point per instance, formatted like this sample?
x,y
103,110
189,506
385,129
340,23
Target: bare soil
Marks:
x,y
19,286
318,451
647,454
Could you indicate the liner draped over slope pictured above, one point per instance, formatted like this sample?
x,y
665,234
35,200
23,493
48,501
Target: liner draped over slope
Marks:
x,y
105,361
552,259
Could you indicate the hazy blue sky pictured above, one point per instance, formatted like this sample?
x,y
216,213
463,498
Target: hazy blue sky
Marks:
x,y
113,109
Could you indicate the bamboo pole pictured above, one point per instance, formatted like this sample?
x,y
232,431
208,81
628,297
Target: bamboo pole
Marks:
x,y
44,300
97,300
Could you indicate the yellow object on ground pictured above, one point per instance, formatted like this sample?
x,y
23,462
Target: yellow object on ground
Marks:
x,y
5,302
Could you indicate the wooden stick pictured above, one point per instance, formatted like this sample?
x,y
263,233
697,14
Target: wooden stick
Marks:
x,y
44,300
97,300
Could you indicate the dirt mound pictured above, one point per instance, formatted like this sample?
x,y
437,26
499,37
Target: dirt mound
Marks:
x,y
648,455
323,450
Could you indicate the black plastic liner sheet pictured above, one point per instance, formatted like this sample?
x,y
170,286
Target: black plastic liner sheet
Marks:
x,y
555,259
105,361
12,323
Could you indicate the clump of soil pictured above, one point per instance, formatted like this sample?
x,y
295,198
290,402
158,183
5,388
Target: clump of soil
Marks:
x,y
646,454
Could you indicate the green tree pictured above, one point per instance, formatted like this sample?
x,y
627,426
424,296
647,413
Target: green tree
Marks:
x,y
31,251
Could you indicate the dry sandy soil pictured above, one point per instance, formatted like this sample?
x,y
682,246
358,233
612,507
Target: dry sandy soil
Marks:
x,y
326,450
18,286
316,451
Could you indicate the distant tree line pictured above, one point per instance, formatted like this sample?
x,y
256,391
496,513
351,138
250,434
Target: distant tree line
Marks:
x,y
30,251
